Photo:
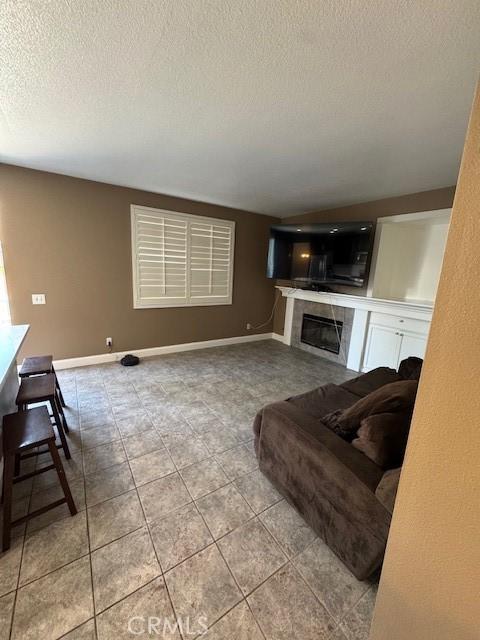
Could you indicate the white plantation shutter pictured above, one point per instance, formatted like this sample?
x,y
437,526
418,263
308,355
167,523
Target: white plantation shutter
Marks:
x,y
180,259
210,261
160,257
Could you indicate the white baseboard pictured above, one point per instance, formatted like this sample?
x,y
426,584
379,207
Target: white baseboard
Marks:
x,y
102,358
280,337
84,361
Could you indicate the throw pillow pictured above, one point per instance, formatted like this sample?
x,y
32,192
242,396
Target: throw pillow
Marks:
x,y
394,397
383,438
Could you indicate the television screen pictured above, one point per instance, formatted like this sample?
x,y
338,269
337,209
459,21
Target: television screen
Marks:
x,y
320,253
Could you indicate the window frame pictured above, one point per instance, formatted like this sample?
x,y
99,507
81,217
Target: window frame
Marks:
x,y
188,218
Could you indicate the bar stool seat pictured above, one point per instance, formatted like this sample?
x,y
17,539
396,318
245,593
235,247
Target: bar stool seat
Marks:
x,y
36,365
36,389
27,429
21,432
40,365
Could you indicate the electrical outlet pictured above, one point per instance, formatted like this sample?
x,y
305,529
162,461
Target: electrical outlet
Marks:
x,y
109,342
249,326
38,298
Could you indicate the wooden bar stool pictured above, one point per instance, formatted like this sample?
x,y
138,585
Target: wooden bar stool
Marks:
x,y
38,366
43,389
23,431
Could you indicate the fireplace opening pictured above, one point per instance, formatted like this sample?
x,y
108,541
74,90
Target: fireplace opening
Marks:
x,y
321,333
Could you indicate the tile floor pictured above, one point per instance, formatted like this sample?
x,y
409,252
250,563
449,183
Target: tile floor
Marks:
x,y
175,519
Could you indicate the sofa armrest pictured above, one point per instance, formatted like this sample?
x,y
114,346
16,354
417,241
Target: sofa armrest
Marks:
x,y
386,491
311,467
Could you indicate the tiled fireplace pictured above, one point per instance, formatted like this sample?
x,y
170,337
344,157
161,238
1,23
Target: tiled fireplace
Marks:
x,y
322,329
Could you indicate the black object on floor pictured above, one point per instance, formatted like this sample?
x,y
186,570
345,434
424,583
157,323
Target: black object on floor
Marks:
x,y
129,360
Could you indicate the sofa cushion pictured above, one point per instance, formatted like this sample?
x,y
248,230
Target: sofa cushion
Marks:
x,y
410,368
323,400
391,398
371,381
383,438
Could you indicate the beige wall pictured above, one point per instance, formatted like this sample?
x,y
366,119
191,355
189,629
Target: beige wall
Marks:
x,y
430,583
422,201
70,239
410,203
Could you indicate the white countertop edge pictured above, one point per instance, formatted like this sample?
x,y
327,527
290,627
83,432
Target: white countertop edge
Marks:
x,y
11,339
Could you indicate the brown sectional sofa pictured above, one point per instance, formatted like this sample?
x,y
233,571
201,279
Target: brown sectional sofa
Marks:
x,y
344,496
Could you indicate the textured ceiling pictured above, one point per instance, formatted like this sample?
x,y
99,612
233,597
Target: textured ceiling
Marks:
x,y
275,106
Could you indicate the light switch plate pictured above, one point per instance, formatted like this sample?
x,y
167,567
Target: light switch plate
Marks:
x,y
38,298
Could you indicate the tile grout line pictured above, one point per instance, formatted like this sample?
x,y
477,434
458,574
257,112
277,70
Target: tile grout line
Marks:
x,y
193,502
86,519
148,529
354,606
147,525
88,537
75,559
87,516
24,538
17,588
242,597
311,588
206,547
213,543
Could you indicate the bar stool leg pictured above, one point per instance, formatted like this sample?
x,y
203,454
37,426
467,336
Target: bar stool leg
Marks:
x,y
62,477
60,394
61,412
58,422
3,483
7,500
16,468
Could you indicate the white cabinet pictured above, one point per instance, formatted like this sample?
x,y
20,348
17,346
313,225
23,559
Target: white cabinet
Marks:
x,y
388,342
382,349
413,344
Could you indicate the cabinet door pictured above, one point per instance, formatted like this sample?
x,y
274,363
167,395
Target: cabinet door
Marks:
x,y
413,344
382,348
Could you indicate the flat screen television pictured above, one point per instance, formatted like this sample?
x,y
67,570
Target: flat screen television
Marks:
x,y
319,254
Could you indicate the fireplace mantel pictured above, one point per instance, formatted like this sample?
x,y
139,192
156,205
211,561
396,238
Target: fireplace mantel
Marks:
x,y
409,309
363,306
